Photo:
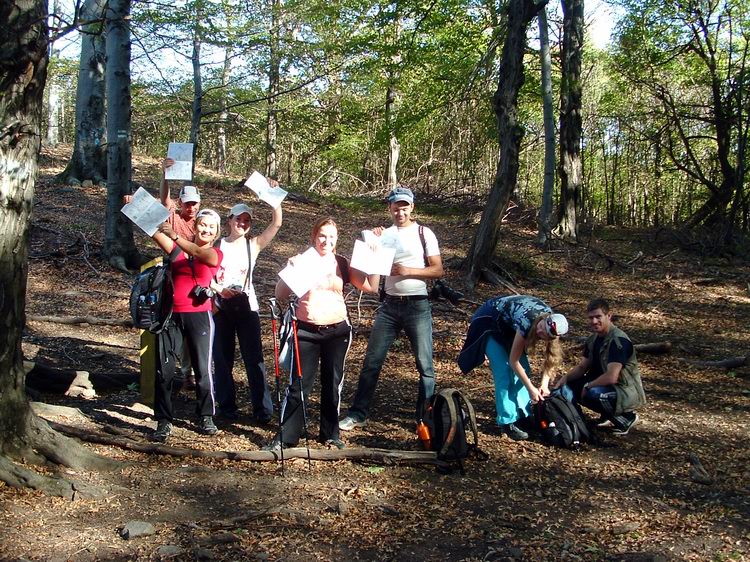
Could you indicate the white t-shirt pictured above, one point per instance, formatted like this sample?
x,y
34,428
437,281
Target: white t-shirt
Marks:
x,y
234,268
411,253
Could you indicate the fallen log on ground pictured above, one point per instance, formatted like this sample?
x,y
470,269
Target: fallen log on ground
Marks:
x,y
382,456
127,322
71,382
653,348
730,363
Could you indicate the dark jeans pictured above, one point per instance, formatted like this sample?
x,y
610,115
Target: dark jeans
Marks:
x,y
324,348
197,328
414,317
600,399
236,319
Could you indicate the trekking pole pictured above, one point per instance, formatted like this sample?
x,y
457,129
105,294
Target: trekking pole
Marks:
x,y
274,317
293,307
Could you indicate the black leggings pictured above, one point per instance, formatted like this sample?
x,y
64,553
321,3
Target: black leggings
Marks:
x,y
197,328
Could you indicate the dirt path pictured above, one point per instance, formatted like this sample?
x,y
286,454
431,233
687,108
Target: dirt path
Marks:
x,y
628,499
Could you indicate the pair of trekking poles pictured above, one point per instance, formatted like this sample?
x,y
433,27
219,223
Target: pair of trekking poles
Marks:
x,y
295,362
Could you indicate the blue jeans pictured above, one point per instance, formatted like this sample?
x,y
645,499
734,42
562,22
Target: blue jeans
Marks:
x,y
512,399
600,399
415,318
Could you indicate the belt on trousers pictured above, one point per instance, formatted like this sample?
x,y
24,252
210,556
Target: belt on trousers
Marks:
x,y
405,298
317,327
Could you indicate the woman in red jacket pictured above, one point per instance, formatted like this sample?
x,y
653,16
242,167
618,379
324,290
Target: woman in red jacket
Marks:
x,y
193,265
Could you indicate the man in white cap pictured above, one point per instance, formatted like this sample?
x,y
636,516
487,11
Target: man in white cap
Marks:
x,y
607,379
181,220
405,307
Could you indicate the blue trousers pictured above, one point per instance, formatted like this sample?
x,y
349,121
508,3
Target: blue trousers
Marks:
x,y
512,399
415,318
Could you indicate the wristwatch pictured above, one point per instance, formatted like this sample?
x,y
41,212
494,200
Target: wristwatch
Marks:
x,y
176,237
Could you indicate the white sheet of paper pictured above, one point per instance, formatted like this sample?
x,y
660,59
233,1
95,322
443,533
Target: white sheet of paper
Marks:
x,y
182,154
146,212
271,195
371,261
304,274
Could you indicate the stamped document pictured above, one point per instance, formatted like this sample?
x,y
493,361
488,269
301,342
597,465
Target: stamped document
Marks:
x,y
372,258
305,274
145,211
271,195
182,154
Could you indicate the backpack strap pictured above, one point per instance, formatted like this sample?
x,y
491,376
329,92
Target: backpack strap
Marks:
x,y
472,415
424,245
447,395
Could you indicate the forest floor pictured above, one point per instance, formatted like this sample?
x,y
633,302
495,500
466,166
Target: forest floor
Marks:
x,y
634,498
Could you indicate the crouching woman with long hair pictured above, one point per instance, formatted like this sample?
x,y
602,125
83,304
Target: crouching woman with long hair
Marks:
x,y
502,329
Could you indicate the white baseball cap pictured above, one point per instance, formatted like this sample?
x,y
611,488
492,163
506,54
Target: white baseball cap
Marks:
x,y
189,194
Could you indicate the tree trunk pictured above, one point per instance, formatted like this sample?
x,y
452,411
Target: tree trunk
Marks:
x,y
119,246
272,123
394,148
545,212
195,115
221,133
23,72
88,161
505,103
570,118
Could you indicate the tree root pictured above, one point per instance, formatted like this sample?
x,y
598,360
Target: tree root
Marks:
x,y
42,444
383,456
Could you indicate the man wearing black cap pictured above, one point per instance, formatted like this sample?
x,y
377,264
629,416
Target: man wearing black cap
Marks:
x,y
406,306
607,379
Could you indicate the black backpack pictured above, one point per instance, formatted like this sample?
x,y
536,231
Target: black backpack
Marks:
x,y
449,417
152,295
560,423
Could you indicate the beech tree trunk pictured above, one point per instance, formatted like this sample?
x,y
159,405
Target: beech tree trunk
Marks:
x,y
88,161
544,221
221,132
23,72
571,123
510,132
196,114
119,246
272,123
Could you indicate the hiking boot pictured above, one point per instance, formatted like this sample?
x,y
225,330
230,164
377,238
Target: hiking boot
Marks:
x,y
350,422
622,430
207,426
162,431
337,443
275,446
514,432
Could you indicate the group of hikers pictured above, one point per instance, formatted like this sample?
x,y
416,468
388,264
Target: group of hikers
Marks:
x,y
215,302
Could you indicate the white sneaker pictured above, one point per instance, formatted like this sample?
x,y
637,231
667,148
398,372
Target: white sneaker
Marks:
x,y
349,423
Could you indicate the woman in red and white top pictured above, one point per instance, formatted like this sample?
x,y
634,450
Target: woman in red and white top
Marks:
x,y
324,335
194,263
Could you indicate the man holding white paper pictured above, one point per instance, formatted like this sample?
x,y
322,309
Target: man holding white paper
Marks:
x,y
181,220
406,306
